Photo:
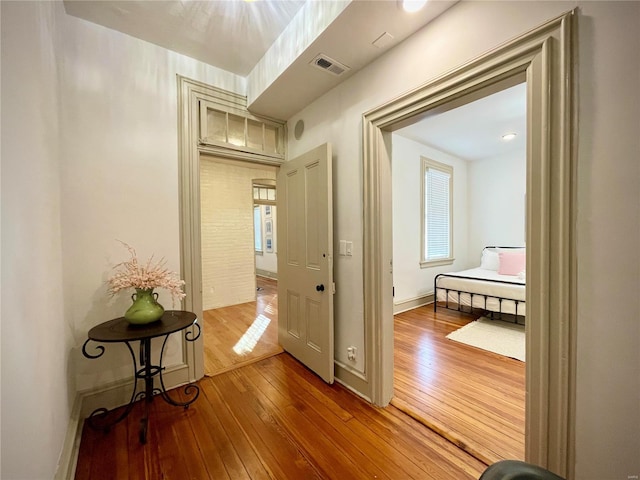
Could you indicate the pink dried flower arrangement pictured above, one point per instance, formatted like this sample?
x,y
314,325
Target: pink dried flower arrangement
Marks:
x,y
133,274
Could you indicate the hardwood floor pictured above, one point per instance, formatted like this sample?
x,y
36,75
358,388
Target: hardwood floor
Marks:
x,y
273,419
472,397
233,335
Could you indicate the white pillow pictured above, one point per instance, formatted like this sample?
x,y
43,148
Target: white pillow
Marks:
x,y
490,260
511,249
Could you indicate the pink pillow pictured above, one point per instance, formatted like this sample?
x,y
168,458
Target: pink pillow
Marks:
x,y
512,263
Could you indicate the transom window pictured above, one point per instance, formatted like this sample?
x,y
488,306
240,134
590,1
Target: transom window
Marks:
x,y
264,194
437,213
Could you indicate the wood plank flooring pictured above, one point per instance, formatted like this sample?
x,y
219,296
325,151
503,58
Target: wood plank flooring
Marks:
x,y
233,335
273,419
472,397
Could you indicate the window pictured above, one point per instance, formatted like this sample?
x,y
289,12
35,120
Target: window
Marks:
x,y
233,127
264,205
437,213
257,228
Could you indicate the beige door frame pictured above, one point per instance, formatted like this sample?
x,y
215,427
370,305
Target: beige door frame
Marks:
x,y
544,58
190,146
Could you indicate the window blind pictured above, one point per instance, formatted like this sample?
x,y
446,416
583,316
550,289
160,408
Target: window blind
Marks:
x,y
437,214
257,228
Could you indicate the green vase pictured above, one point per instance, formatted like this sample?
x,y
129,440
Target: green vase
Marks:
x,y
145,308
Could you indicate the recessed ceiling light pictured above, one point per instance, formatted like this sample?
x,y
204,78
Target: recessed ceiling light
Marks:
x,y
507,137
413,5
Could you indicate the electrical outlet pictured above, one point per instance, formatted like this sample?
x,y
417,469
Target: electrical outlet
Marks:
x,y
351,353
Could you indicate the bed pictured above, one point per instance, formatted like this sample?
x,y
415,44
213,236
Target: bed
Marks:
x,y
496,286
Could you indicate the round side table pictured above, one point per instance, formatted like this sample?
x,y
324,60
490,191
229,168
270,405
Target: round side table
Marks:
x,y
120,330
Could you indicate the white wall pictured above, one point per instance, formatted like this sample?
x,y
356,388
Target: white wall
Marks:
x,y
119,172
228,251
607,238
37,384
267,262
89,155
608,228
409,279
497,189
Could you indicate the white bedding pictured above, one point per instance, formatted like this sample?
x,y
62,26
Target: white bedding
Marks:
x,y
485,285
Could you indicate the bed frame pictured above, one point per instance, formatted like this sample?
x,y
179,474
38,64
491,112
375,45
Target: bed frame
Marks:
x,y
461,308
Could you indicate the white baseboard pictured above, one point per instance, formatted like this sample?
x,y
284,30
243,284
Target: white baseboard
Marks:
x,y
118,393
109,396
411,303
352,379
69,456
266,273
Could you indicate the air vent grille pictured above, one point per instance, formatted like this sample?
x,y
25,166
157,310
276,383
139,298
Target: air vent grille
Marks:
x,y
329,65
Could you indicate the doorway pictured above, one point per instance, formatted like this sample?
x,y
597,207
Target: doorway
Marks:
x,y
239,270
440,228
242,334
542,58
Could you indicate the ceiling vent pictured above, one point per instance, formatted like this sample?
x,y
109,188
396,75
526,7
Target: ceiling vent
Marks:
x,y
329,65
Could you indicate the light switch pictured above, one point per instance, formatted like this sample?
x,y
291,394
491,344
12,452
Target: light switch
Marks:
x,y
343,247
349,249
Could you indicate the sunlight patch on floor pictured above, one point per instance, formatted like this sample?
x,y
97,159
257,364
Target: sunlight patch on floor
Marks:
x,y
248,341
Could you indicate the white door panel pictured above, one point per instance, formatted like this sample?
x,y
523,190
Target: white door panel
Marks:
x,y
305,260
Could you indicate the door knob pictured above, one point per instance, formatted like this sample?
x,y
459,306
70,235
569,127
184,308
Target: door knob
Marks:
x,y
320,288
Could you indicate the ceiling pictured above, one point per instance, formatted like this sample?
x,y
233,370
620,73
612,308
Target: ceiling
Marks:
x,y
235,34
474,131
231,35
349,40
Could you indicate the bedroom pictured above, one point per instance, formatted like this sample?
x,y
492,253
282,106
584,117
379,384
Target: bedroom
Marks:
x,y
488,206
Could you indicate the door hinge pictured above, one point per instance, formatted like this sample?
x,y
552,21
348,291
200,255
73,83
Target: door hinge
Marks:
x,y
333,288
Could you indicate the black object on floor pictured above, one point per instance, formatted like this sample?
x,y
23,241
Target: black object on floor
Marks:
x,y
517,470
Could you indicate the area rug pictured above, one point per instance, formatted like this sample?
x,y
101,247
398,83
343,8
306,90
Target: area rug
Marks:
x,y
493,335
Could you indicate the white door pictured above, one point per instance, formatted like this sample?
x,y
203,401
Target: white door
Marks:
x,y
305,260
